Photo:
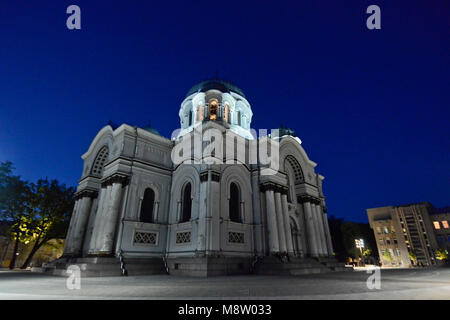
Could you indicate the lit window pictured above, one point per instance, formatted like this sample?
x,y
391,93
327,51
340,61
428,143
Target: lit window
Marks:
x,y
386,230
436,225
445,224
398,252
226,113
200,112
391,252
378,230
213,106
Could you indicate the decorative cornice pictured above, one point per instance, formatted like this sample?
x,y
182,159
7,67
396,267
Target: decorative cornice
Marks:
x,y
91,193
308,198
273,187
204,176
215,176
115,178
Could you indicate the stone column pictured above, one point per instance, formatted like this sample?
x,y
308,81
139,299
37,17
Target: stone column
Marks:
x,y
280,223
321,230
81,223
178,211
320,249
271,222
327,233
310,229
99,217
106,220
287,225
156,219
110,219
69,237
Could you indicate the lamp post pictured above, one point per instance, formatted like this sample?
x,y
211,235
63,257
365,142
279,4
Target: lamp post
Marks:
x,y
360,244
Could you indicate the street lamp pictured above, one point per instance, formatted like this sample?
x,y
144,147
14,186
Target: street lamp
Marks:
x,y
360,244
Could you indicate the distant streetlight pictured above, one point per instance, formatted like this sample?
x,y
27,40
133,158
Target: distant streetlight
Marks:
x,y
360,244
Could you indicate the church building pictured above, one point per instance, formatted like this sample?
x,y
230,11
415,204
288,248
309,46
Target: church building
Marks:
x,y
139,212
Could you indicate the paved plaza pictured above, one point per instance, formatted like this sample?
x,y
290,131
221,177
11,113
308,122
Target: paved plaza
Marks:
x,y
395,284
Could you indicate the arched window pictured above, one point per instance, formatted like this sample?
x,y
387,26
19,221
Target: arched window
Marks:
x,y
235,203
187,203
200,112
99,163
226,114
213,109
294,176
147,206
190,118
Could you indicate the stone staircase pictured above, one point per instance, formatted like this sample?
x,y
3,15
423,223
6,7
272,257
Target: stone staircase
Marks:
x,y
103,266
200,267
332,264
295,266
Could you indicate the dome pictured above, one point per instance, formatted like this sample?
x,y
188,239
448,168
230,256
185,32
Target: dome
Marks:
x,y
149,128
218,84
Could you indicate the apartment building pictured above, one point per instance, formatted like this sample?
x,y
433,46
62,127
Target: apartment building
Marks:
x,y
409,235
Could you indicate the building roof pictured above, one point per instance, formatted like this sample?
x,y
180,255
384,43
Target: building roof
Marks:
x,y
218,84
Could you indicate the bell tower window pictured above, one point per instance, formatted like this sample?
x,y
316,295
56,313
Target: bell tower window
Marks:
x,y
226,115
213,109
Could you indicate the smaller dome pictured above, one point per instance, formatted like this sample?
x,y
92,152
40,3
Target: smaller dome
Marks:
x,y
218,84
285,131
149,128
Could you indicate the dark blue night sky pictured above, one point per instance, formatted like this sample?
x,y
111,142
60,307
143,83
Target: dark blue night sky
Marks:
x,y
371,107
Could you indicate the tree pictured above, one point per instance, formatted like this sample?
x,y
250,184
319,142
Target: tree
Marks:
x,y
413,256
336,237
387,255
441,254
14,193
50,207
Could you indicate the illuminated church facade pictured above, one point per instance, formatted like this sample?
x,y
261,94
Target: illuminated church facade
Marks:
x,y
138,212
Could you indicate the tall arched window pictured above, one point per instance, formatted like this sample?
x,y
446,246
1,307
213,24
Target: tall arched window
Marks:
x,y
235,203
147,206
99,162
226,115
187,203
190,118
